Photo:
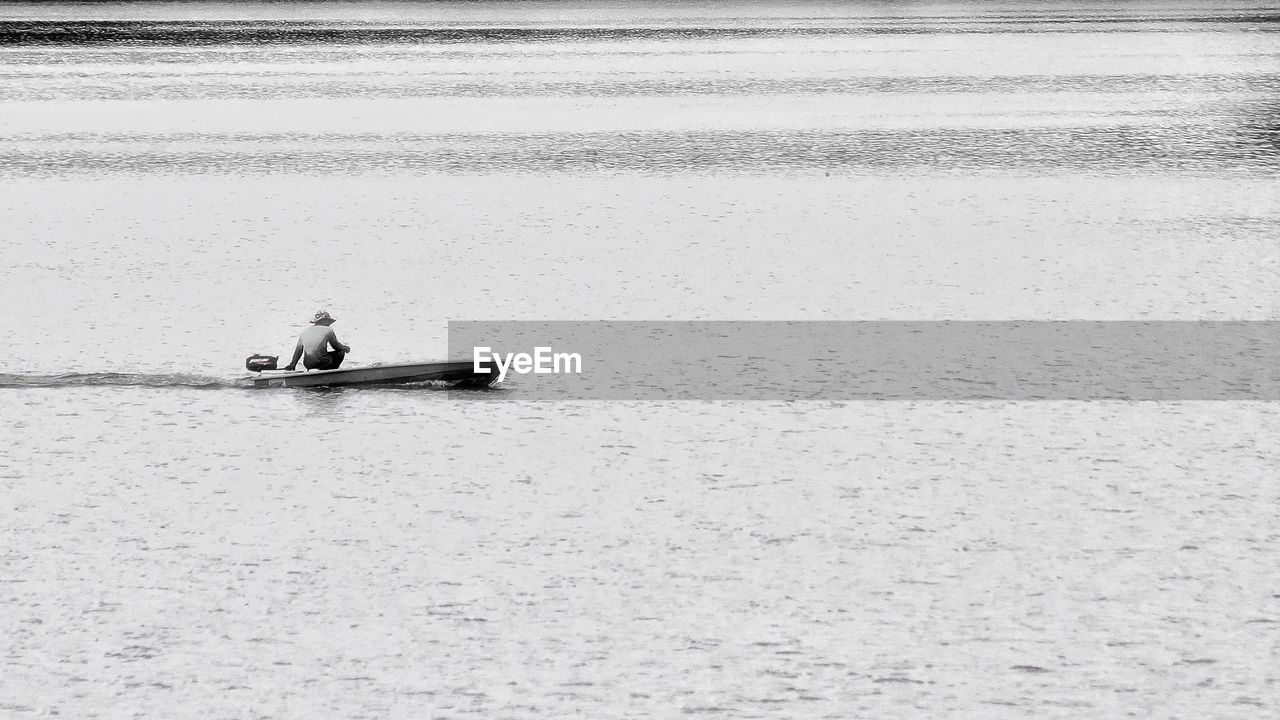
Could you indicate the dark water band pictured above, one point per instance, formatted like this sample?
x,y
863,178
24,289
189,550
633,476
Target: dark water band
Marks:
x,y
158,32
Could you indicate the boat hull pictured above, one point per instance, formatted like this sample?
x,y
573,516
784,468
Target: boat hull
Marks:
x,y
460,372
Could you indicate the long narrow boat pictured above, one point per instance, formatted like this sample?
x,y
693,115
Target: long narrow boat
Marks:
x,y
461,373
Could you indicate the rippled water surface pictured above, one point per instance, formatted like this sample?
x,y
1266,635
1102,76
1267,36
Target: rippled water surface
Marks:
x,y
182,185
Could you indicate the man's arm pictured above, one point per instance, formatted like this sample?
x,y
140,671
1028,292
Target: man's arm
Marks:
x,y
336,343
297,354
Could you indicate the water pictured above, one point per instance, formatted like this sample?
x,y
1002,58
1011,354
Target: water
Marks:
x,y
178,196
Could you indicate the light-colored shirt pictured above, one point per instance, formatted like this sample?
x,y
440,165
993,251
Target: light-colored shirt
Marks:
x,y
315,341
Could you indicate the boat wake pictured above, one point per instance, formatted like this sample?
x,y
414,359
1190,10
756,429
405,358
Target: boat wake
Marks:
x,y
162,380
165,380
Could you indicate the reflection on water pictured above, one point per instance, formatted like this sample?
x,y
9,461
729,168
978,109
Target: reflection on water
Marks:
x,y
1155,87
1096,150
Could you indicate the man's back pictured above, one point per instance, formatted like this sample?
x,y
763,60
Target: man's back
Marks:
x,y
315,341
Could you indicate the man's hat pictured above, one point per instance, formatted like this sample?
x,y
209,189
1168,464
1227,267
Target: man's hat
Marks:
x,y
321,316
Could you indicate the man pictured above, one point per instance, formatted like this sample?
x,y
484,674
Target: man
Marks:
x,y
314,344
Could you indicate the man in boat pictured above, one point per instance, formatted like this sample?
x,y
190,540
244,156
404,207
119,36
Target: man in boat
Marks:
x,y
314,346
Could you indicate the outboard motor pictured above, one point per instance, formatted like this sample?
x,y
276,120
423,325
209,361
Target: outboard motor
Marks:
x,y
258,363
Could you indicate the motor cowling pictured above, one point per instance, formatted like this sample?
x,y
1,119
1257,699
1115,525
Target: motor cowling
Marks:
x,y
258,363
